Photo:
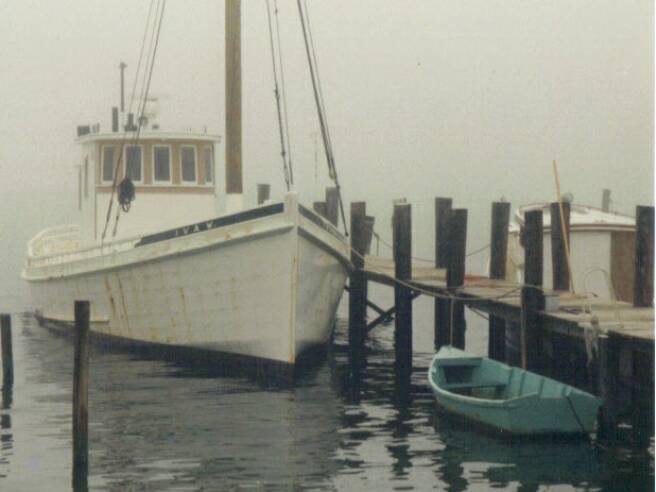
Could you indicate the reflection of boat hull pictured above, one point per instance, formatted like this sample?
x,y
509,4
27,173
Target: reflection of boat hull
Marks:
x,y
266,286
509,399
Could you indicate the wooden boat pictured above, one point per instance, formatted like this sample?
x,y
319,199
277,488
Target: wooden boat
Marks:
x,y
259,283
509,399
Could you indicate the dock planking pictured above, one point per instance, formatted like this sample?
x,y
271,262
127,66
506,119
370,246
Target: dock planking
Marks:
x,y
572,316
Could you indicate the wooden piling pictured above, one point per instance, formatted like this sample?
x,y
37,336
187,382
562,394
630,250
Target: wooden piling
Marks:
x,y
442,312
608,368
498,256
559,243
455,275
605,200
357,283
643,289
532,297
263,192
320,208
402,246
81,390
332,205
7,352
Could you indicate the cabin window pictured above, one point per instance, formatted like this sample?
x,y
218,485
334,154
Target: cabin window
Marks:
x,y
188,163
133,162
108,164
208,158
162,163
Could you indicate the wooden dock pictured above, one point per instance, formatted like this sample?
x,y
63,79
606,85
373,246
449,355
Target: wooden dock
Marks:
x,y
572,315
557,333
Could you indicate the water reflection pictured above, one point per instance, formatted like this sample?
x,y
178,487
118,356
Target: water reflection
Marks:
x,y
164,425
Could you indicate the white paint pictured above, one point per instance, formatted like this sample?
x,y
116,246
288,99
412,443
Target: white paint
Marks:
x,y
590,245
234,202
266,288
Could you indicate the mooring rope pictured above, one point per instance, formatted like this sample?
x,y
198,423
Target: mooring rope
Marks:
x,y
437,295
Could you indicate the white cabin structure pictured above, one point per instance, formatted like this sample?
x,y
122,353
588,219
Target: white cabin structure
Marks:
x,y
174,177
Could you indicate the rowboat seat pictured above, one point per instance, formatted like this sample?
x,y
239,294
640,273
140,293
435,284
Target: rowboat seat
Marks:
x,y
475,385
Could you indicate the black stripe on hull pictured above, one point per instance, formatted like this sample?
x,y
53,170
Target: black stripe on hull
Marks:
x,y
206,225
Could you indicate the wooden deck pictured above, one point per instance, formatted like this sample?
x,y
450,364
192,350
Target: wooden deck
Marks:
x,y
573,315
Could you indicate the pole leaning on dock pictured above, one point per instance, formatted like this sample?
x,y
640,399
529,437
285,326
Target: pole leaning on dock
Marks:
x,y
455,275
402,245
81,391
532,295
559,244
442,214
7,352
498,256
357,283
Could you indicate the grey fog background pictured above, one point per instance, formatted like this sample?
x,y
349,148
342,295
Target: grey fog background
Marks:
x,y
471,100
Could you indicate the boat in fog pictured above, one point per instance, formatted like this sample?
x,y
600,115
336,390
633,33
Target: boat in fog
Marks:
x,y
159,263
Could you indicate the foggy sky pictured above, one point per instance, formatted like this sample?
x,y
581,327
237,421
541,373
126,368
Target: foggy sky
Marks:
x,y
471,100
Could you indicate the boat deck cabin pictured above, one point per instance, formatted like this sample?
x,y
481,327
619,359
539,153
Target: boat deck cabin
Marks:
x,y
173,175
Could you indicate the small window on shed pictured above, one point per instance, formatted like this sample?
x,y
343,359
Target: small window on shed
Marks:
x,y
162,160
208,161
133,162
188,164
108,164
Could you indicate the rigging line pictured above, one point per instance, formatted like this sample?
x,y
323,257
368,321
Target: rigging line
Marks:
x,y
284,96
276,93
321,100
143,92
321,115
134,87
150,76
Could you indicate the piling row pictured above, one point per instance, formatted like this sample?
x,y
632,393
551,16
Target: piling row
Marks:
x,y
518,335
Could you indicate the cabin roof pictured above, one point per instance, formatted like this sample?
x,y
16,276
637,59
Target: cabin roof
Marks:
x,y
149,135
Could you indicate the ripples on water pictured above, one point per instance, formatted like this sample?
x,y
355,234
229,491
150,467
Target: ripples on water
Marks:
x,y
158,426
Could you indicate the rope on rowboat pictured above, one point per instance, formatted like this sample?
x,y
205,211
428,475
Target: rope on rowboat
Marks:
x,y
576,416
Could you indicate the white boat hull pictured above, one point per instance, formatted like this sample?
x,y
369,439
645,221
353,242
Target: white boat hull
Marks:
x,y
266,288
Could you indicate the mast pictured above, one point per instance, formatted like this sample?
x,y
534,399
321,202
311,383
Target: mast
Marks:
x,y
234,186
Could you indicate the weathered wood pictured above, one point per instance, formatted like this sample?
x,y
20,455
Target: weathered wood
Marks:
x,y
263,193
402,245
320,208
369,222
608,367
442,214
532,297
643,290
498,256
442,312
455,275
357,283
81,389
7,352
233,115
559,242
605,200
332,205
499,239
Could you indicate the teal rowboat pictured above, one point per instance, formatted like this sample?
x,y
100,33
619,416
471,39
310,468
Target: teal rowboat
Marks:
x,y
509,399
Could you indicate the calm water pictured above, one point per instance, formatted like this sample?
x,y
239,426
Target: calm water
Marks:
x,y
157,426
